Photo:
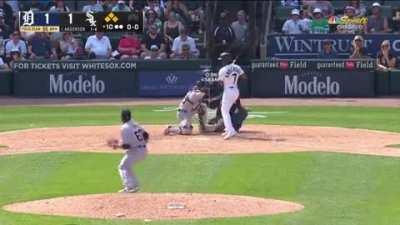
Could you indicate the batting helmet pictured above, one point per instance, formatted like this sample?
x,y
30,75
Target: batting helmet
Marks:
x,y
225,58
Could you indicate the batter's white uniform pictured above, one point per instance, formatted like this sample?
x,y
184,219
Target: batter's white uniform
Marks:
x,y
131,134
229,74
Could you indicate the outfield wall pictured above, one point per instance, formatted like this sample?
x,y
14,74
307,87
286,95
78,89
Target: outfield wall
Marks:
x,y
6,82
313,78
106,78
170,78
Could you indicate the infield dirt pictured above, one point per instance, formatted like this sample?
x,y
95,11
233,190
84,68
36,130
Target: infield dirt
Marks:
x,y
253,139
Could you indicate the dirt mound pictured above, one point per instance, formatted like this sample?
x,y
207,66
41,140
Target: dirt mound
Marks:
x,y
153,206
253,139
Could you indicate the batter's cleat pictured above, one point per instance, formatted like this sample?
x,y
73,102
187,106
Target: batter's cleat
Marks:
x,y
229,135
129,190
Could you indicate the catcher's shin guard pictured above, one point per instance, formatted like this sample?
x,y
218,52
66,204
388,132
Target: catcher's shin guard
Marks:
x,y
202,112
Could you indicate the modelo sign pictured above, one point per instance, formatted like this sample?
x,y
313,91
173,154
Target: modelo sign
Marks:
x,y
60,84
317,86
74,79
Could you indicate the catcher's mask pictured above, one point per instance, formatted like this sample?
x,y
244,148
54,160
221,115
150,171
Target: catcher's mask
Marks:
x,y
125,115
202,86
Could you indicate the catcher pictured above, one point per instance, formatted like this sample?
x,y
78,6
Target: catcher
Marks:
x,y
133,140
188,107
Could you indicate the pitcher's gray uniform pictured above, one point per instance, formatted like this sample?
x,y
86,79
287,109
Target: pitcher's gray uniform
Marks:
x,y
188,107
131,134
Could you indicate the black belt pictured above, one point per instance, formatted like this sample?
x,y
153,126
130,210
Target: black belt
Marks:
x,y
231,87
140,146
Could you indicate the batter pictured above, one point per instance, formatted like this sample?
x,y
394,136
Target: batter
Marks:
x,y
229,74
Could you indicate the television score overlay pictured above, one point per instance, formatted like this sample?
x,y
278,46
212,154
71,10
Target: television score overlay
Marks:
x,y
81,22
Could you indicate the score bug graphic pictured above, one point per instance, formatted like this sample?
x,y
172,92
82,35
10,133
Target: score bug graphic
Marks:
x,y
81,22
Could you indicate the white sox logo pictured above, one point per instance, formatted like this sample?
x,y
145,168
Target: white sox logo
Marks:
x,y
90,18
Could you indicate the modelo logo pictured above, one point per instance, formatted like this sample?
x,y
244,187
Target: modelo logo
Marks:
x,y
315,87
80,86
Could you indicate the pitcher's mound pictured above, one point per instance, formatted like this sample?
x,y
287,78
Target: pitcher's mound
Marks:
x,y
156,206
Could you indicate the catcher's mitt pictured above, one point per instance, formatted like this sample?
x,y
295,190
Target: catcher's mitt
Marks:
x,y
146,136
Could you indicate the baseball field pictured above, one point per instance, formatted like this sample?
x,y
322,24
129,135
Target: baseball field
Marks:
x,y
336,164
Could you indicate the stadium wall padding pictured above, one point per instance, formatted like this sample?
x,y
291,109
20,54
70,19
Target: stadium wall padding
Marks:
x,y
5,82
313,78
172,78
110,78
382,83
394,82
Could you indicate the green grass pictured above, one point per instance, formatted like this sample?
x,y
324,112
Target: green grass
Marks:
x,y
393,146
320,181
336,189
3,146
13,118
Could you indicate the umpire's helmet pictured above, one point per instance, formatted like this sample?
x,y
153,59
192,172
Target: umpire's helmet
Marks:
x,y
125,115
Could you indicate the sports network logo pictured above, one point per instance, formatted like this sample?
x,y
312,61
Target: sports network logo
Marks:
x,y
171,79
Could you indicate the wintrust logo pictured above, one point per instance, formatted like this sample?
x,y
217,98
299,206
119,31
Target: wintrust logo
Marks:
x,y
315,87
59,85
171,79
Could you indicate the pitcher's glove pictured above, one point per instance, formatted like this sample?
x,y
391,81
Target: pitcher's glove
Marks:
x,y
112,143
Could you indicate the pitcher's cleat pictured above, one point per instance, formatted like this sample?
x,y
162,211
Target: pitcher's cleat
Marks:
x,y
129,190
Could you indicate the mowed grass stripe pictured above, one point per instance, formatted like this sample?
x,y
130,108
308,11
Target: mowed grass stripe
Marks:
x,y
335,188
14,118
